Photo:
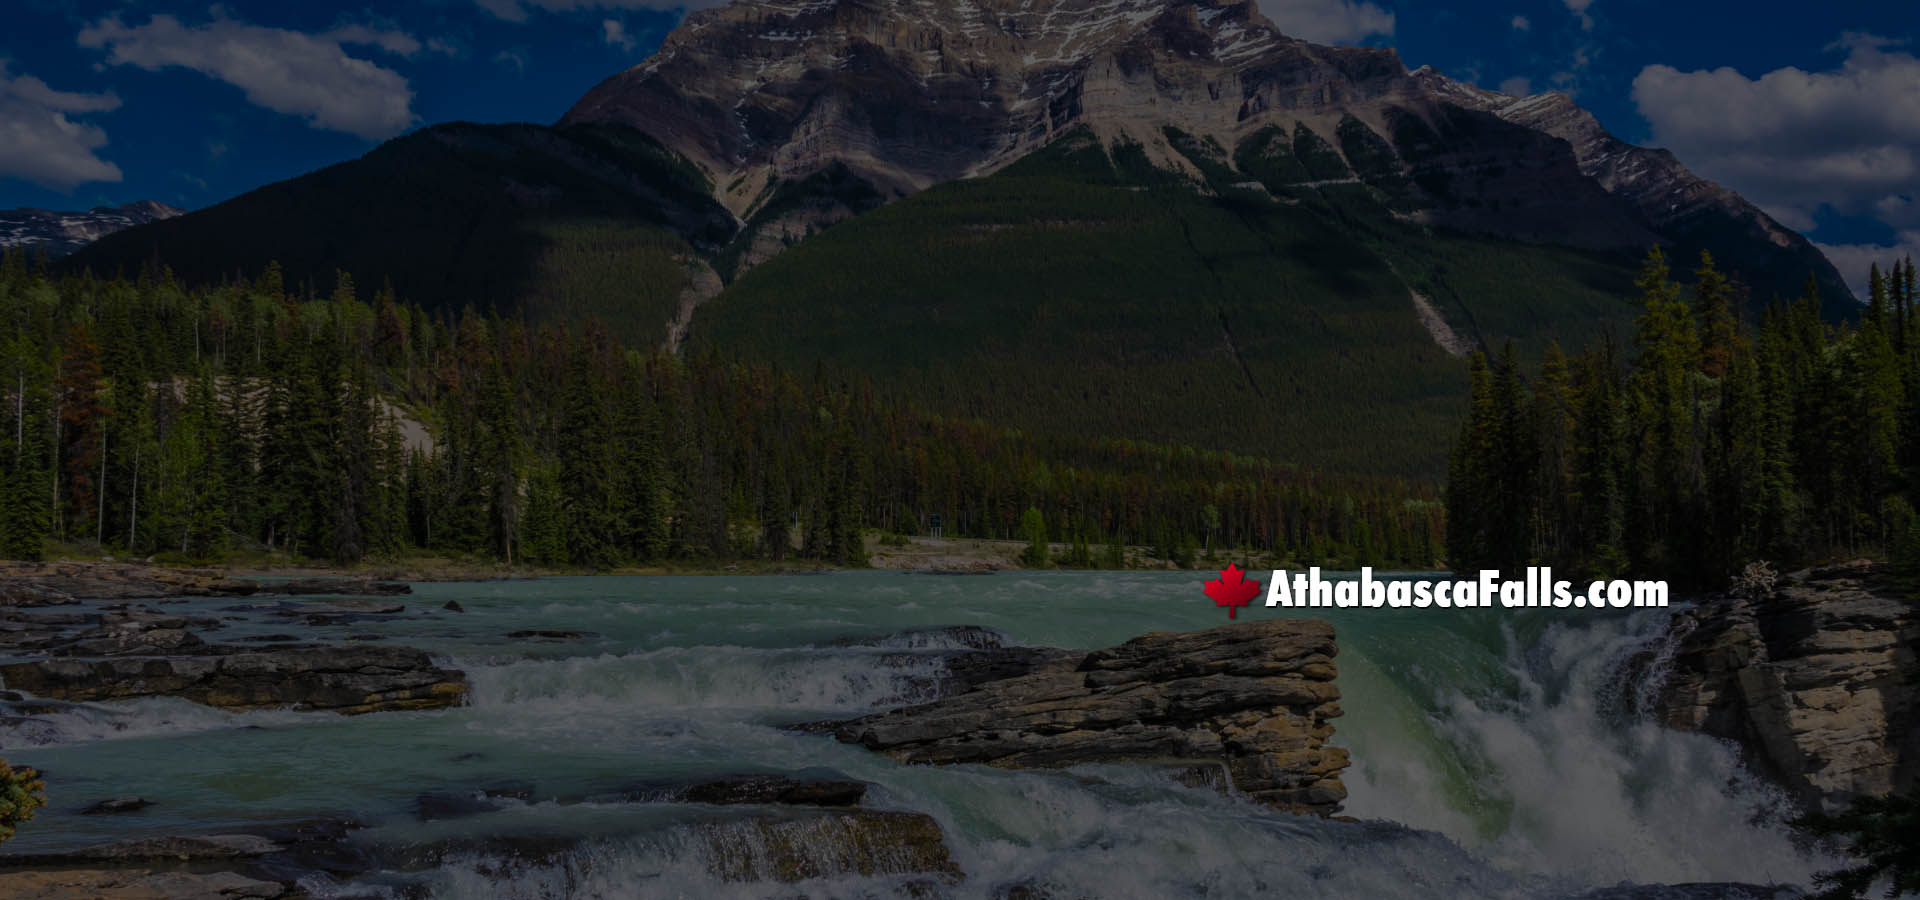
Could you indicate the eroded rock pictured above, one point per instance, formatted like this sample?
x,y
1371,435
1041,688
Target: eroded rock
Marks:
x,y
1815,679
116,806
838,843
348,680
1256,699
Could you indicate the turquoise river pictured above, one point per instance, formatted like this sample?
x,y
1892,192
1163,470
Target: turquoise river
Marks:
x,y
1495,753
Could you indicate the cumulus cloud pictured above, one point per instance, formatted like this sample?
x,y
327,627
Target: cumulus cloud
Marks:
x,y
292,72
39,139
514,58
516,10
1517,86
1856,261
1329,21
398,43
1580,8
615,33
1795,141
1522,23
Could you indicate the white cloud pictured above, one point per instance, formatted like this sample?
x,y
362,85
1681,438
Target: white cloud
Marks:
x,y
1856,261
1579,9
307,75
516,10
1516,86
514,57
398,43
1794,141
40,141
1329,21
615,33
1522,23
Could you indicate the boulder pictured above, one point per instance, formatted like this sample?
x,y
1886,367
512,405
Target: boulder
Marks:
x,y
116,806
1253,700
1813,676
348,680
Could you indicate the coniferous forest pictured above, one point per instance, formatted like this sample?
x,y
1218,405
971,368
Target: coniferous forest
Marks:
x,y
148,418
1708,444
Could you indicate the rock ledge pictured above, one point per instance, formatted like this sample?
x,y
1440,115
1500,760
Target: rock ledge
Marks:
x,y
1254,700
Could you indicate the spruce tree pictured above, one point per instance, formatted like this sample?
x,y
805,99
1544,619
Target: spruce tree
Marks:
x,y
584,442
1714,315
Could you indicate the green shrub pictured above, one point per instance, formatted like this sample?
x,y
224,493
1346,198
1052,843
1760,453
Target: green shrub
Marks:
x,y
21,792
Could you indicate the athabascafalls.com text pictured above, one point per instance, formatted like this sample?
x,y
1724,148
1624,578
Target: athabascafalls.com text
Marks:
x,y
1538,589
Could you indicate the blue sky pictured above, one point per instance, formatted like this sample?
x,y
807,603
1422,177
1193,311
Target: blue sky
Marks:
x,y
1811,110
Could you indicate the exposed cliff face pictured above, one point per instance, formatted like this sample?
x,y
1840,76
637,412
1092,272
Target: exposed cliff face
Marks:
x,y
61,233
907,95
1682,206
912,94
1816,680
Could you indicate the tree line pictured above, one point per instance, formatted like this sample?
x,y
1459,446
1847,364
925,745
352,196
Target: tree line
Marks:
x,y
147,417
1708,444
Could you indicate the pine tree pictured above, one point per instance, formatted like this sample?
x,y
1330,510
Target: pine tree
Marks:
x,y
502,448
354,475
1667,483
1713,313
588,520
1877,306
79,393
1553,421
1033,526
543,535
1469,480
26,460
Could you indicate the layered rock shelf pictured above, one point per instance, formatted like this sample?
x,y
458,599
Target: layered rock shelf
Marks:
x,y
70,641
348,680
1254,701
61,583
1812,675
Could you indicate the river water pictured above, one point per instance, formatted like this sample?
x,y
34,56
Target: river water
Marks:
x,y
1492,757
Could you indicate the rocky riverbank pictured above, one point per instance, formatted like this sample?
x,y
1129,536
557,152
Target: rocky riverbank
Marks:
x,y
788,830
71,637
1251,702
1816,675
64,583
349,680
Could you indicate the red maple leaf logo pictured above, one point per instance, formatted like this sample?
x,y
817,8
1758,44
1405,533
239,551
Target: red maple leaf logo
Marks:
x,y
1232,590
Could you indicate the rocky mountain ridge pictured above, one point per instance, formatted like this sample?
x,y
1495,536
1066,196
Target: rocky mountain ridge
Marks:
x,y
908,95
61,233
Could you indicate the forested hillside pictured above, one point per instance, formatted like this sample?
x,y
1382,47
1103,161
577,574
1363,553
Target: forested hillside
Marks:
x,y
1704,445
1086,291
146,417
549,224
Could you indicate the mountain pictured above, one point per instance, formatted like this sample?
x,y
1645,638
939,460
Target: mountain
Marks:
x,y
567,223
908,95
1157,219
61,233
